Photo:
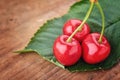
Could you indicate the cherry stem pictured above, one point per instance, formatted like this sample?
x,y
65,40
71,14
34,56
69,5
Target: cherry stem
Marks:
x,y
79,28
103,21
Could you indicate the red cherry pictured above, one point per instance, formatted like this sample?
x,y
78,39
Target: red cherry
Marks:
x,y
67,53
93,51
71,25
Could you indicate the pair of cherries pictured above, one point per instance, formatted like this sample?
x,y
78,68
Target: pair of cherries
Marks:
x,y
83,44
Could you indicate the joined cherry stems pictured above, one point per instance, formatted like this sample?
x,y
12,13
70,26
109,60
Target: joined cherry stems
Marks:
x,y
87,16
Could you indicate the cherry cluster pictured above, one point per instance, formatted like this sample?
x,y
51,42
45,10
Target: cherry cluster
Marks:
x,y
77,42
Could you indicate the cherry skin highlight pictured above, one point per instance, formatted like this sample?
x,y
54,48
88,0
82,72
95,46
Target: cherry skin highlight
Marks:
x,y
66,53
71,25
93,51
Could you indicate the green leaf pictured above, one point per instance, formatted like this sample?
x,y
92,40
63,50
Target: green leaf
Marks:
x,y
43,39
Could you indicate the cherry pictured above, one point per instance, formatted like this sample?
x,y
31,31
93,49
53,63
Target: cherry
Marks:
x,y
67,53
93,51
71,25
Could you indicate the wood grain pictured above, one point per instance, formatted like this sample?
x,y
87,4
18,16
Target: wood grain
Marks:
x,y
19,20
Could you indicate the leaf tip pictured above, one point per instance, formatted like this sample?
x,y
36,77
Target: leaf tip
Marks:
x,y
23,51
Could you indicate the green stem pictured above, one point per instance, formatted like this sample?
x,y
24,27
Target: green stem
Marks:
x,y
103,21
83,22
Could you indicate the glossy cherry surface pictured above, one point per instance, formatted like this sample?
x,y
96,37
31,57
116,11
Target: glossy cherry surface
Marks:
x,y
70,26
66,53
93,51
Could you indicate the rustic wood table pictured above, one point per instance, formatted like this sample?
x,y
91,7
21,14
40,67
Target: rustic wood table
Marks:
x,y
19,20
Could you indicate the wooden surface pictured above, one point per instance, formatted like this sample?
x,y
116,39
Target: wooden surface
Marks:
x,y
19,20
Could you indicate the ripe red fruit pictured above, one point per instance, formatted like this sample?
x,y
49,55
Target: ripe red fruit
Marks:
x,y
93,51
71,25
66,53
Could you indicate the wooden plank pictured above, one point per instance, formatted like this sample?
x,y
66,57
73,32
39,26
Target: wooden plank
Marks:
x,y
19,20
